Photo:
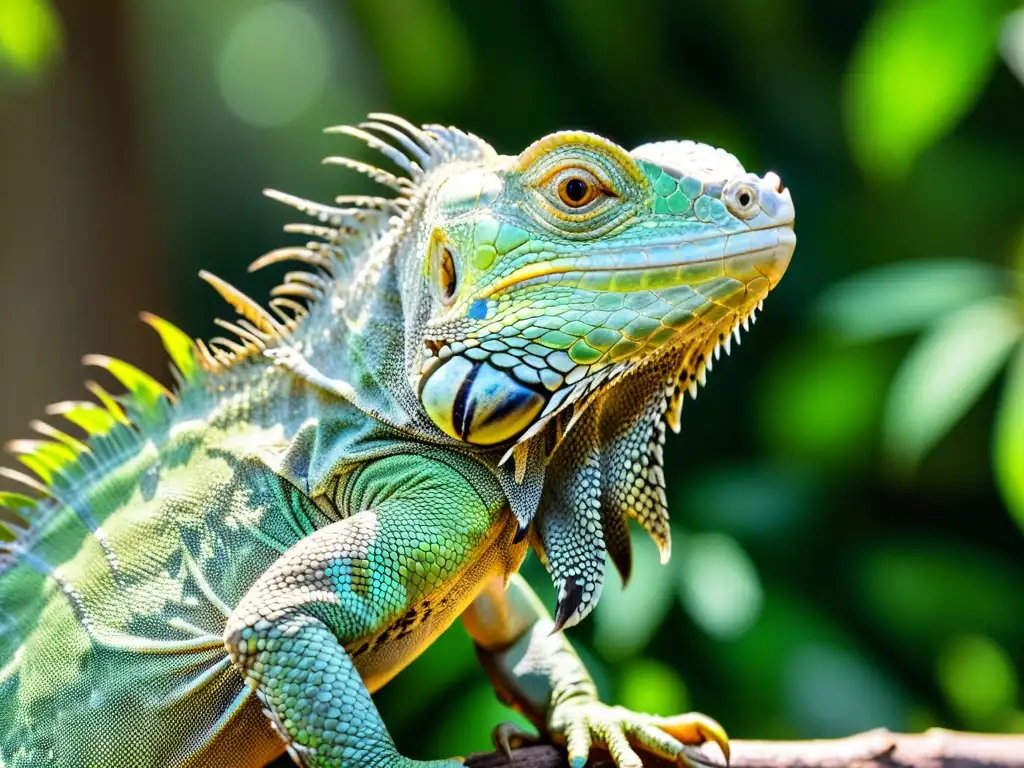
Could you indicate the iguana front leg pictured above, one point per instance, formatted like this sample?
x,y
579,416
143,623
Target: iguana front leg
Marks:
x,y
538,673
381,583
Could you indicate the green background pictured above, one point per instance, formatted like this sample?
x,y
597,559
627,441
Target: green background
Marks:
x,y
847,494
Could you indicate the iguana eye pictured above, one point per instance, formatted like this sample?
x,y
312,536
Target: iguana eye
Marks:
x,y
576,192
741,199
446,279
577,187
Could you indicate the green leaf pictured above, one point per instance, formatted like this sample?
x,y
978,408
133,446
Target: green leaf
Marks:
x,y
767,502
464,724
423,47
30,35
905,296
919,66
1008,459
446,665
944,374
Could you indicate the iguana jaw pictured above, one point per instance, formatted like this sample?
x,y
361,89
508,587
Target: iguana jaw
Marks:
x,y
707,290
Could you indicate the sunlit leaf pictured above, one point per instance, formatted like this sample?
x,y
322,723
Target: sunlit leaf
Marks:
x,y
917,69
944,373
626,619
905,296
1008,456
1011,43
30,35
978,679
719,585
646,685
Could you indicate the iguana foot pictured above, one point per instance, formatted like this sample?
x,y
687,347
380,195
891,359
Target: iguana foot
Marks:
x,y
621,732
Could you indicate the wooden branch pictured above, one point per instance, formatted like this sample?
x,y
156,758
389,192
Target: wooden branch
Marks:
x,y
935,748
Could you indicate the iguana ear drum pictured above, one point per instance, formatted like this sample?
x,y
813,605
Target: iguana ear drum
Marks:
x,y
477,403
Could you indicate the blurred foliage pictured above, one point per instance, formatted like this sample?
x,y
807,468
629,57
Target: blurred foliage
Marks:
x,y
972,318
30,36
918,67
848,493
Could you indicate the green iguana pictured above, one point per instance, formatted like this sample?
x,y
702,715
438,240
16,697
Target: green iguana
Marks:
x,y
482,363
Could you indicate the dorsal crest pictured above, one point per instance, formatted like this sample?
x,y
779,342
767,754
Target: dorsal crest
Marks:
x,y
339,234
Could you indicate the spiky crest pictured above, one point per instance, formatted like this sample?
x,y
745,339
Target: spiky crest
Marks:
x,y
348,228
117,425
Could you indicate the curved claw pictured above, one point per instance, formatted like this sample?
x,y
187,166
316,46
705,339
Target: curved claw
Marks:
x,y
508,736
695,728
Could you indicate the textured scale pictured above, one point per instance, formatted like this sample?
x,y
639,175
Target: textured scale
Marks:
x,y
569,528
633,460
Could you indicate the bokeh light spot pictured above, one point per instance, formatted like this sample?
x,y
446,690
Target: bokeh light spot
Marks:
x,y
1012,43
626,619
719,586
273,65
646,685
30,35
978,679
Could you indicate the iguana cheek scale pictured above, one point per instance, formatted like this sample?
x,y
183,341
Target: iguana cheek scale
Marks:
x,y
484,362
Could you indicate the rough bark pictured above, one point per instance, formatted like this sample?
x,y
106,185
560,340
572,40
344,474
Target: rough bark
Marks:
x,y
935,748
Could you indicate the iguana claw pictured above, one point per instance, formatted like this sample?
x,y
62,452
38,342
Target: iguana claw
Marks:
x,y
508,736
621,732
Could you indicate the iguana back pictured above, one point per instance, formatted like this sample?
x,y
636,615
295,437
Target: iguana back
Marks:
x,y
114,604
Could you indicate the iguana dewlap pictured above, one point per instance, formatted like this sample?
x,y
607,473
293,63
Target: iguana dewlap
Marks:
x,y
484,362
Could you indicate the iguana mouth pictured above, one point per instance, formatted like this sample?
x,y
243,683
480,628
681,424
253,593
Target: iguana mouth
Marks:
x,y
665,265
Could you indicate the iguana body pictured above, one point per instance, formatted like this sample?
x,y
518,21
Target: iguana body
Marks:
x,y
487,361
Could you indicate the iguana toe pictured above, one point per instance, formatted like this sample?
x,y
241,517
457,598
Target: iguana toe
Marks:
x,y
623,732
508,736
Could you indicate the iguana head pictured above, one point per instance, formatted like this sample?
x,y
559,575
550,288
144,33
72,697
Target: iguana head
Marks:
x,y
568,298
577,259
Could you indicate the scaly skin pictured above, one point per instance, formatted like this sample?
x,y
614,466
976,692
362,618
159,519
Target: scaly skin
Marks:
x,y
488,361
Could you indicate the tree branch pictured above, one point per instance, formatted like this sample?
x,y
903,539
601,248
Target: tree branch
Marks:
x,y
935,748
